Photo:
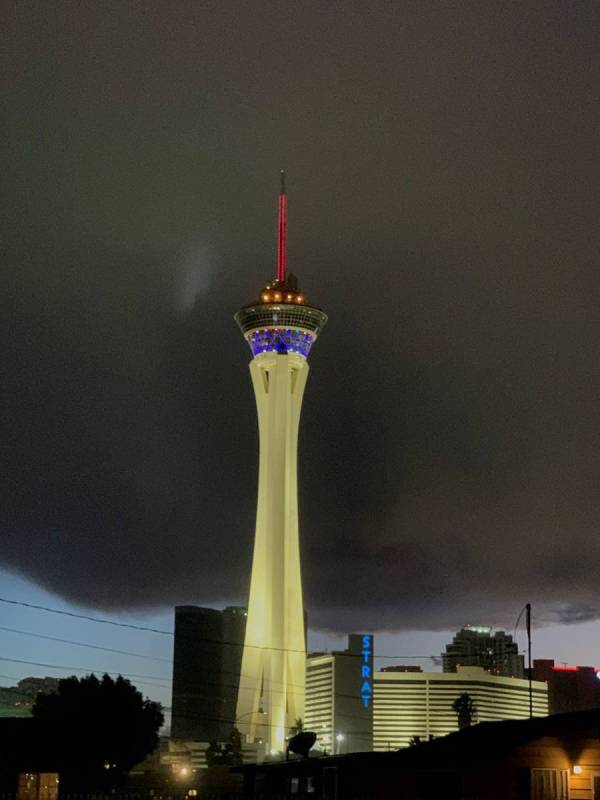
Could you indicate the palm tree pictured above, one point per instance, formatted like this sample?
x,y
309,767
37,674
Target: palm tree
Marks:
x,y
465,710
297,727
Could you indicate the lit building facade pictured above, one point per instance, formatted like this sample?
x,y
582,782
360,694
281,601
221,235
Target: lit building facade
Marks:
x,y
339,697
419,704
570,688
280,328
481,646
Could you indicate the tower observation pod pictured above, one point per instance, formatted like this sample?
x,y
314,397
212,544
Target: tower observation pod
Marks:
x,y
280,329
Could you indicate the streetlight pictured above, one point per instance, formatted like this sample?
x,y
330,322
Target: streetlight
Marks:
x,y
339,737
245,738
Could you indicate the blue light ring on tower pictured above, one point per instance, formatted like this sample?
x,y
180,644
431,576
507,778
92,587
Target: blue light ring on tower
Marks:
x,y
281,327
280,340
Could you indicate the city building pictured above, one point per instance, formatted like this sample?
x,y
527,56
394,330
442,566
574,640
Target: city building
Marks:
x,y
339,697
207,655
280,328
570,688
549,758
417,705
479,646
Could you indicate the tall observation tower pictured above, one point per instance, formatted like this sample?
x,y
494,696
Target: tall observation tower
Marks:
x,y
280,329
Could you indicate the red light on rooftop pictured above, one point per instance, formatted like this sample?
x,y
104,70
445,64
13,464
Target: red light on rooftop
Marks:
x,y
565,668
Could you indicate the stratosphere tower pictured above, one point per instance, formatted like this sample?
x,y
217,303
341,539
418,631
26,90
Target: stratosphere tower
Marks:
x,y
280,328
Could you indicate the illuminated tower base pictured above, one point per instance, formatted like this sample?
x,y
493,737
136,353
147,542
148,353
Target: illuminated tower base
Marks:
x,y
280,330
274,661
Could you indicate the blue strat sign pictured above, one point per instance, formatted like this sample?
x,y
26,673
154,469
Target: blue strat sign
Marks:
x,y
366,670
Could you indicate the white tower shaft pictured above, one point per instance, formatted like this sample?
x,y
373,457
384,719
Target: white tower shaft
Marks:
x,y
271,693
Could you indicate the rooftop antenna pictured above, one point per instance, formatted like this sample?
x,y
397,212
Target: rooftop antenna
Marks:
x,y
282,232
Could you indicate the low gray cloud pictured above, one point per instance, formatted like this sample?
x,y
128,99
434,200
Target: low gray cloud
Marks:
x,y
442,213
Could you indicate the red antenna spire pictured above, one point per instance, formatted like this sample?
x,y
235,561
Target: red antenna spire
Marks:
x,y
282,232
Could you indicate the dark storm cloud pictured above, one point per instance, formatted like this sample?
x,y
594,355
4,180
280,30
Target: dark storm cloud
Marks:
x,y
443,176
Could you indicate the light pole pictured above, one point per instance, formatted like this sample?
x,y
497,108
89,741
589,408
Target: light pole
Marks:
x,y
529,675
247,714
339,738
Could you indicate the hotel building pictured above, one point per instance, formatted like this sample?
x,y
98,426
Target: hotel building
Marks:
x,y
481,646
411,704
339,697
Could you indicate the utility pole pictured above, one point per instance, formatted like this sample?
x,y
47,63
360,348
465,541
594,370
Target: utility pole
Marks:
x,y
528,622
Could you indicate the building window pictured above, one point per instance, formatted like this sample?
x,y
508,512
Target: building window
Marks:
x,y
294,784
310,785
330,783
549,784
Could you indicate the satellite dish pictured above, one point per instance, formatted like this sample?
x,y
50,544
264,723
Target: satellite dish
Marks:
x,y
302,742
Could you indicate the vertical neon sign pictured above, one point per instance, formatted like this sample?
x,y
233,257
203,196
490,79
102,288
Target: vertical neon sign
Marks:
x,y
366,670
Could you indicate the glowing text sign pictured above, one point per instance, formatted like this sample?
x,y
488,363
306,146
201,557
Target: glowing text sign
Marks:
x,y
366,670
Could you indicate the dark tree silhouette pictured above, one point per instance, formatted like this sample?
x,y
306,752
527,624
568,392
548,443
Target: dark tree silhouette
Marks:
x,y
103,727
465,710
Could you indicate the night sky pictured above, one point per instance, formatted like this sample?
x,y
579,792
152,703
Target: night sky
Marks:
x,y
442,164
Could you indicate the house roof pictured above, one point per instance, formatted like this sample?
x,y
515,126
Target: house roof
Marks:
x,y
508,734
493,738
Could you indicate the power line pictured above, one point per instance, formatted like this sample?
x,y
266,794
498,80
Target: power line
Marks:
x,y
83,669
269,724
100,620
203,683
152,677
148,629
189,715
85,644
140,655
111,650
136,676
